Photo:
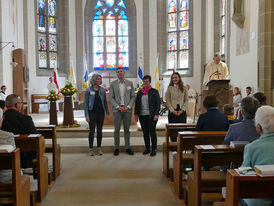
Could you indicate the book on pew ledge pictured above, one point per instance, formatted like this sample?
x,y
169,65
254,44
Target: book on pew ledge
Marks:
x,y
246,171
236,144
6,148
34,135
264,170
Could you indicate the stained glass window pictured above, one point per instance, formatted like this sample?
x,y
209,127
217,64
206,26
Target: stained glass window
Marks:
x,y
178,34
47,33
110,35
222,28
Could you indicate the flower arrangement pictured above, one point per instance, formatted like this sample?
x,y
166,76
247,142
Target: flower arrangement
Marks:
x,y
68,89
53,96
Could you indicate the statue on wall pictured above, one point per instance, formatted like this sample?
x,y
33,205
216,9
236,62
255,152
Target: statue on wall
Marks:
x,y
238,16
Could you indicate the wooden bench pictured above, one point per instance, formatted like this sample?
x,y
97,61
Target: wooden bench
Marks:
x,y
198,180
172,131
186,142
16,191
247,187
36,100
49,132
36,144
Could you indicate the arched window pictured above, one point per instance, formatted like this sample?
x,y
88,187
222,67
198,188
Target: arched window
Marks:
x,y
110,38
178,35
47,33
223,25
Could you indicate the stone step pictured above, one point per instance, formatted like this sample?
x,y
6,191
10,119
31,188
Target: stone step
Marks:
x,y
83,133
80,145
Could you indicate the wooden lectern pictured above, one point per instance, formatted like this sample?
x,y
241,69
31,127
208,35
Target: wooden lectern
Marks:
x,y
219,89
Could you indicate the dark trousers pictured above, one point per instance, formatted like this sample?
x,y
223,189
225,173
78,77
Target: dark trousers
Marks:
x,y
176,119
95,120
149,129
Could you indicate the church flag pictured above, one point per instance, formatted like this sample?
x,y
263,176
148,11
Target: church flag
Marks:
x,y
55,77
72,77
140,77
85,77
156,76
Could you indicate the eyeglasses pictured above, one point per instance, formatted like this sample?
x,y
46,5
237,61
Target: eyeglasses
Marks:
x,y
21,103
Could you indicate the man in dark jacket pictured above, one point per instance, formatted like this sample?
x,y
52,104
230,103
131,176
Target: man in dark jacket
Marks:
x,y
18,123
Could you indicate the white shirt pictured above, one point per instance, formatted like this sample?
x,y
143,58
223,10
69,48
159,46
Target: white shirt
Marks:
x,y
122,88
191,93
52,87
2,96
216,72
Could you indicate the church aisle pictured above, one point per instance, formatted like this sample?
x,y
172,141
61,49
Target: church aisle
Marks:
x,y
109,181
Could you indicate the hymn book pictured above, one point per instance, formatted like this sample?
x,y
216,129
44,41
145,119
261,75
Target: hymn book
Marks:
x,y
264,170
6,148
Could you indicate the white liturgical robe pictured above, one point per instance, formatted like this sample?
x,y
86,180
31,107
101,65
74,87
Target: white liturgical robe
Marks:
x,y
216,72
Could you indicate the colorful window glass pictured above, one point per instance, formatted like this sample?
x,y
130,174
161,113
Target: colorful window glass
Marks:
x,y
110,35
178,34
47,33
222,28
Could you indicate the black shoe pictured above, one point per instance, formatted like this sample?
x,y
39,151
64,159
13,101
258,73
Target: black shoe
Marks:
x,y
116,152
147,151
129,151
153,153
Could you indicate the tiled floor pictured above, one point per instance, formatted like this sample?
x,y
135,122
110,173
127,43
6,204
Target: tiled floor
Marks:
x,y
109,181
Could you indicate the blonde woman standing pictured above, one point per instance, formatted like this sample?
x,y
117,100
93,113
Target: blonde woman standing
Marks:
x,y
176,100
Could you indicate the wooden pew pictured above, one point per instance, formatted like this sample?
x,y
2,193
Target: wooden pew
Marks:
x,y
36,100
247,187
16,191
198,180
186,142
172,131
36,144
49,132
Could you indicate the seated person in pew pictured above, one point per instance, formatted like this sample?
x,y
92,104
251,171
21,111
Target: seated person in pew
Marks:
x,y
261,152
6,138
212,119
18,123
244,130
229,112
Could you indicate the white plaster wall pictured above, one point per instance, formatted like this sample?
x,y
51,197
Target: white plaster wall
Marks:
x,y
12,31
209,30
243,69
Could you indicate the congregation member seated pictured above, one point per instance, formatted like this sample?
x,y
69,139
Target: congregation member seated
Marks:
x,y
18,123
261,97
244,130
261,152
212,119
6,138
229,112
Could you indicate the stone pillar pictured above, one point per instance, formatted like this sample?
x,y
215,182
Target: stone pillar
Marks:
x,y
266,49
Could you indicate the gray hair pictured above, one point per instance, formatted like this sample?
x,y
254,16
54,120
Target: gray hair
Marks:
x,y
12,99
265,117
93,79
249,106
217,54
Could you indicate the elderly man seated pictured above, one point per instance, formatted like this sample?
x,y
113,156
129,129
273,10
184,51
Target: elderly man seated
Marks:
x,y
244,130
261,152
18,123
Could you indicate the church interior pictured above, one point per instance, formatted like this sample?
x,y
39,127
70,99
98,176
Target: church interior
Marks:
x,y
57,47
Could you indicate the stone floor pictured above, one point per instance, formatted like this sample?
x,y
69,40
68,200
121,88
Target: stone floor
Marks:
x,y
109,181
